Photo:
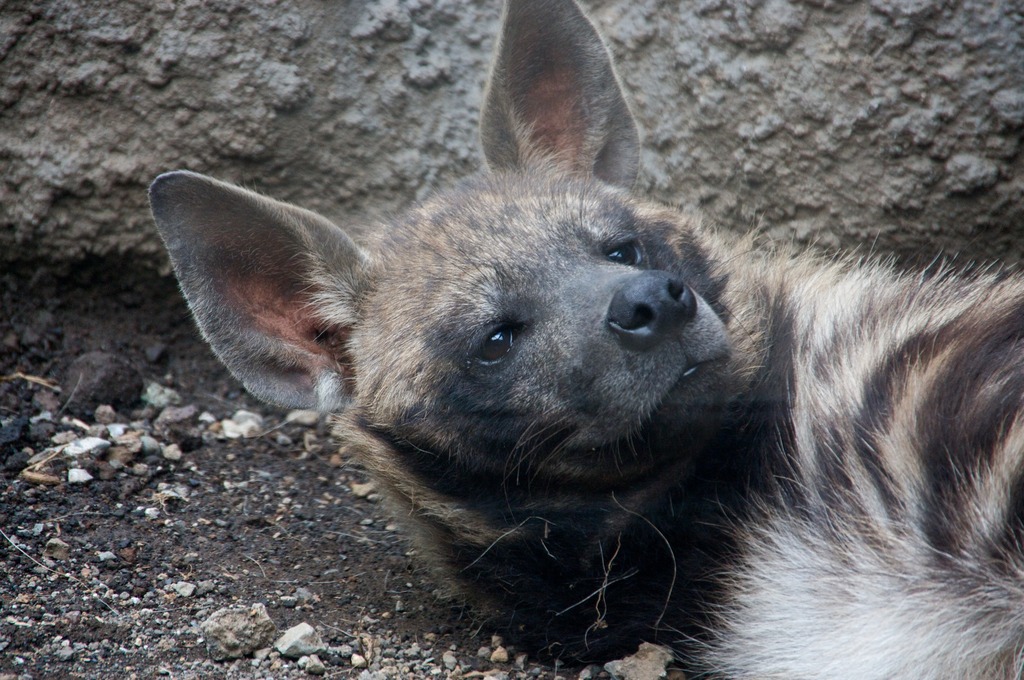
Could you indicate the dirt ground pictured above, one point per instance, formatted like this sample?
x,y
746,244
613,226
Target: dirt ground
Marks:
x,y
160,538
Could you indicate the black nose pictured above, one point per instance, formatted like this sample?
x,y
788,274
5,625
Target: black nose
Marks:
x,y
648,308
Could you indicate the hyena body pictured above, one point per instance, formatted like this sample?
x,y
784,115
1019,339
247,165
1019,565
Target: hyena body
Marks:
x,y
605,423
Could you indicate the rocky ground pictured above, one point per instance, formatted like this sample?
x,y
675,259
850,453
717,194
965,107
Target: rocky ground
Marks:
x,y
146,501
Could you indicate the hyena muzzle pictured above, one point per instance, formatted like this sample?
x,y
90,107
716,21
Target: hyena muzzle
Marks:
x,y
605,423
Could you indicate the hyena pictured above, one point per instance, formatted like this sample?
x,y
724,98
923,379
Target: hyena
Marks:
x,y
605,422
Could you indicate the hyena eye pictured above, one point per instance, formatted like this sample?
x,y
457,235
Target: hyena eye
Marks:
x,y
628,254
498,344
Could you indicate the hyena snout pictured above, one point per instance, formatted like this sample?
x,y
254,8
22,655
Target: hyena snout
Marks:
x,y
650,307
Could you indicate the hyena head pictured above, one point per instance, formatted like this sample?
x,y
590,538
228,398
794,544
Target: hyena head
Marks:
x,y
537,317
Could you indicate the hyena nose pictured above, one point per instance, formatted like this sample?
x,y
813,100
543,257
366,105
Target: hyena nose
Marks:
x,y
648,308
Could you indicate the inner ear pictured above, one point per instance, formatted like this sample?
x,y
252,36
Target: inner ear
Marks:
x,y
272,287
553,94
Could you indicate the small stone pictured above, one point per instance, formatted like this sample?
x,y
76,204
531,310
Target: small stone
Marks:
x,y
116,430
78,476
171,452
649,662
204,587
158,396
303,417
56,549
499,655
358,660
449,660
234,632
314,666
105,414
305,595
241,416
150,446
106,556
151,513
65,653
300,640
98,378
362,490
175,414
242,424
288,601
86,446
184,588
484,653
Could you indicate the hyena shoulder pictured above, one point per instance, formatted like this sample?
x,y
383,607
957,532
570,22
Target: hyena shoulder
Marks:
x,y
605,423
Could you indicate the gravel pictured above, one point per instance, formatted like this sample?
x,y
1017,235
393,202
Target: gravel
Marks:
x,y
122,574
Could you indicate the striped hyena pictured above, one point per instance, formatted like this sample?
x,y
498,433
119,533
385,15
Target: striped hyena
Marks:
x,y
607,423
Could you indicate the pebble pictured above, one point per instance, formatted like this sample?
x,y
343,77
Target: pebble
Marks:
x,y
242,424
499,655
105,414
150,446
86,446
234,632
305,595
362,490
175,414
650,661
171,452
158,396
97,378
106,556
116,430
184,588
449,660
314,666
358,660
300,640
56,549
78,476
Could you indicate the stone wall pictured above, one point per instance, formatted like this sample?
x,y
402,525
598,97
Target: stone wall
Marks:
x,y
893,125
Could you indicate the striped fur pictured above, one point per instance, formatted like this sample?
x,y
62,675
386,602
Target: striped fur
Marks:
x,y
817,473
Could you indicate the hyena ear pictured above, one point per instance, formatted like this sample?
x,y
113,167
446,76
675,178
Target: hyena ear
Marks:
x,y
272,286
553,93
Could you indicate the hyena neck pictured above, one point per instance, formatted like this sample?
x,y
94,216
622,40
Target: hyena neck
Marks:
x,y
591,551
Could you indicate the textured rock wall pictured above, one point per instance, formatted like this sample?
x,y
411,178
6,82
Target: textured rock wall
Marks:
x,y
896,123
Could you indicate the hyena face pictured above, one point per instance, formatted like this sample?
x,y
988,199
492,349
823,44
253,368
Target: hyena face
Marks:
x,y
535,315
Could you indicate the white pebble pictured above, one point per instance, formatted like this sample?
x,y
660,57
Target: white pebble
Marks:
x,y
86,446
78,476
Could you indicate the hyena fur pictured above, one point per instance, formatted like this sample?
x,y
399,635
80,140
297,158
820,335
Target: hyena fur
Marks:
x,y
605,423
